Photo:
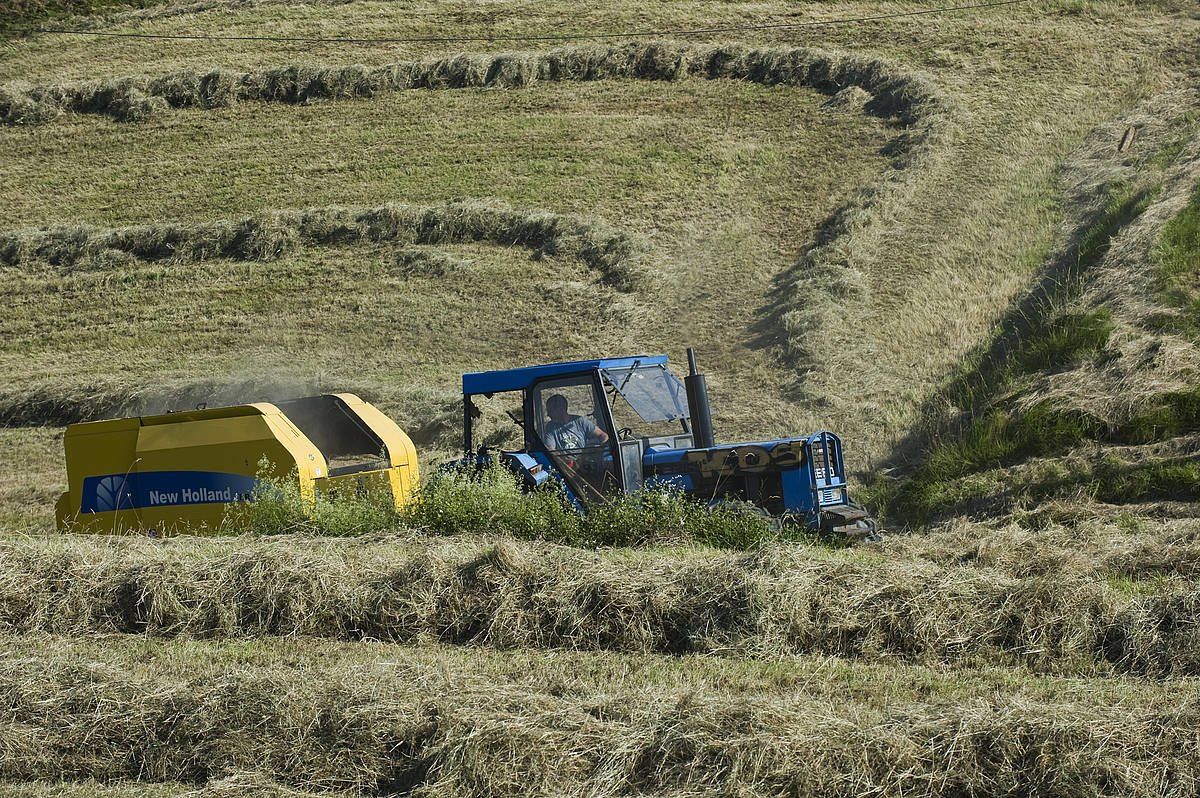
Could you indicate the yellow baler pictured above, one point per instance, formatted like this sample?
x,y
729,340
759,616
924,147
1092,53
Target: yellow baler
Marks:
x,y
185,469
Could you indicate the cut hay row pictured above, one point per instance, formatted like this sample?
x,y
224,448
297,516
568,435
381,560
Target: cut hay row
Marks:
x,y
566,672
1122,546
390,730
824,278
893,93
776,602
269,235
236,785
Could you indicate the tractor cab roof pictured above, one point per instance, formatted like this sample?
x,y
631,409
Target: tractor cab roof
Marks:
x,y
488,382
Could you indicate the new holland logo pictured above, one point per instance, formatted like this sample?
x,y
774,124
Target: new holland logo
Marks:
x,y
163,489
193,496
113,493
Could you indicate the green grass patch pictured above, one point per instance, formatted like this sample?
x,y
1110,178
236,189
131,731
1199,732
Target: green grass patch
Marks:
x,y
1050,344
1178,252
490,501
1004,436
1168,416
1065,341
1121,483
1177,260
925,497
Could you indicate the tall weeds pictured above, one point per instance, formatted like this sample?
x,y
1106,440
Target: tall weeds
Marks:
x,y
491,500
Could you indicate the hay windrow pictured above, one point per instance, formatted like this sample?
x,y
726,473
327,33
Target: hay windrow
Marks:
x,y
826,276
615,255
892,92
774,603
394,730
1120,547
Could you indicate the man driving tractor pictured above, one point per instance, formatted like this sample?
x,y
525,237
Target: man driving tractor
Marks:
x,y
566,431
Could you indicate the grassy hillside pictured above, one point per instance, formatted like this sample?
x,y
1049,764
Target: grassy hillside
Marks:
x,y
1089,389
753,211
924,233
661,178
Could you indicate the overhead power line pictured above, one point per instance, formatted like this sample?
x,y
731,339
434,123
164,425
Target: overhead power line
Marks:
x,y
556,37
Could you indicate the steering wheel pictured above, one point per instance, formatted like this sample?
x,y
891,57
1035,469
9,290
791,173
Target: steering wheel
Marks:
x,y
625,433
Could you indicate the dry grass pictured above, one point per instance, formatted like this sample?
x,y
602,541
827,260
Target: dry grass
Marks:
x,y
1044,656
271,235
388,730
824,279
952,244
779,602
1088,369
892,92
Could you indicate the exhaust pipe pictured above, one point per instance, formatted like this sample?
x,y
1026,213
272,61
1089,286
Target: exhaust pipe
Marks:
x,y
697,396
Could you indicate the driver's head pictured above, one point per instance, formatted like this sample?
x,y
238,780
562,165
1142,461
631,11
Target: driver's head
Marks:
x,y
556,407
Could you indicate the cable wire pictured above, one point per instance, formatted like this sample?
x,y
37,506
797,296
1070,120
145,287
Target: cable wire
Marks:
x,y
531,37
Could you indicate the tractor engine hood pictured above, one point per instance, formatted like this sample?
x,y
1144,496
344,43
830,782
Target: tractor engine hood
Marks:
x,y
785,454
802,477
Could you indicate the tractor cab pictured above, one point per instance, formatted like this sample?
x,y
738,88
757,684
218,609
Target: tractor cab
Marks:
x,y
587,422
607,427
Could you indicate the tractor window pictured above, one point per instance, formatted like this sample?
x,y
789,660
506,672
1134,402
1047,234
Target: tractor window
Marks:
x,y
499,423
566,411
648,402
653,392
571,425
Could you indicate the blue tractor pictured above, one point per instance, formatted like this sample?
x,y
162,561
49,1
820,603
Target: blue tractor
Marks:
x,y
603,428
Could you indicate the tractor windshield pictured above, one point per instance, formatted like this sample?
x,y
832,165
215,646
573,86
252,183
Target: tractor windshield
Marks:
x,y
653,392
650,403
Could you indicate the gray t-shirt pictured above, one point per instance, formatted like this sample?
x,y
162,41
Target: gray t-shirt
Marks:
x,y
572,434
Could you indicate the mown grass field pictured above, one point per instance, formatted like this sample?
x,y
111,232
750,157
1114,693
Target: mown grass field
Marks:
x,y
700,179
959,271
